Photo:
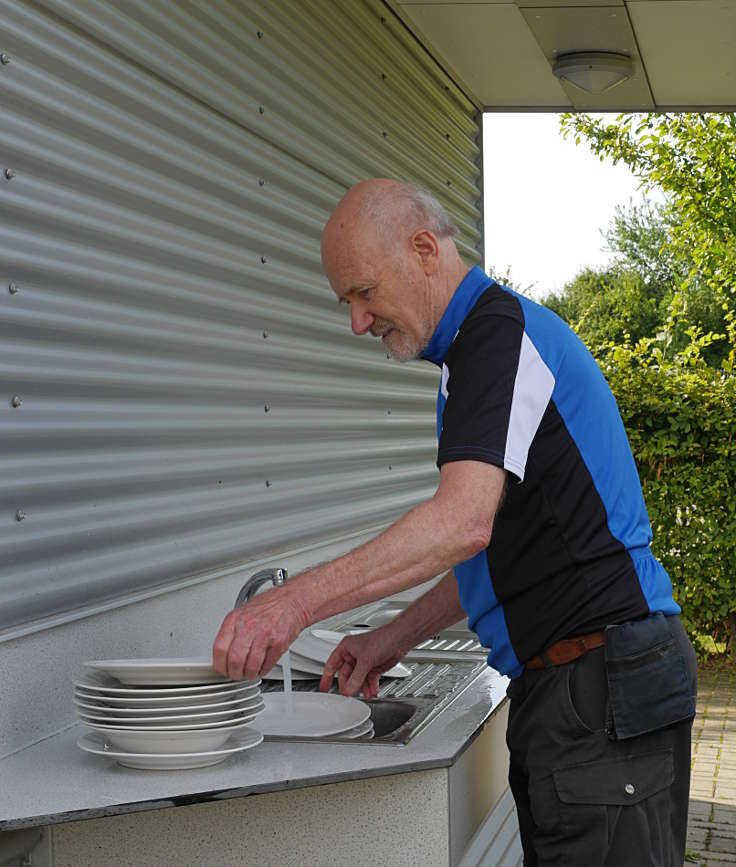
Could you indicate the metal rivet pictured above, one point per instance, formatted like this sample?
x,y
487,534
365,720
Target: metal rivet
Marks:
x,y
629,789
10,174
261,182
263,260
4,58
259,34
16,401
13,289
261,109
268,483
20,515
267,407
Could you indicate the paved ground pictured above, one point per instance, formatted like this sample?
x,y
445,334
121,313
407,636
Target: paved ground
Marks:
x,y
711,833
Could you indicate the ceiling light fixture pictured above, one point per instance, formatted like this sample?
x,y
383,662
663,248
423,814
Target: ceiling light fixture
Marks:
x,y
593,71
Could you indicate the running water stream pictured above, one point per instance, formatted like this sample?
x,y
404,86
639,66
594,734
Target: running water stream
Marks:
x,y
286,666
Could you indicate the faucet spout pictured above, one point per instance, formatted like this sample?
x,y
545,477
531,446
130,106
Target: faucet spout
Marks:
x,y
276,575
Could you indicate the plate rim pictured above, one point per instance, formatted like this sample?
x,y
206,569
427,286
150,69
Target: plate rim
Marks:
x,y
116,750
212,725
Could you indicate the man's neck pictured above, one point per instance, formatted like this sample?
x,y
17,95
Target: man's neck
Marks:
x,y
449,277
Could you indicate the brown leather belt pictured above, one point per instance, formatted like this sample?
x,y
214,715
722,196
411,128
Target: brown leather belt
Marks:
x,y
566,650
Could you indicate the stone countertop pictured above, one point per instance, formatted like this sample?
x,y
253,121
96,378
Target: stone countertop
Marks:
x,y
53,781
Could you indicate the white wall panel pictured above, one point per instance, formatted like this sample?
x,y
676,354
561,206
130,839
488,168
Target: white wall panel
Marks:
x,y
188,394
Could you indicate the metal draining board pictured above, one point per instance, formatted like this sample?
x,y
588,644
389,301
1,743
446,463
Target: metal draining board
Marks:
x,y
454,644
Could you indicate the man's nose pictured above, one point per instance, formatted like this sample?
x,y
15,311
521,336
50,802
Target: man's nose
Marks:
x,y
360,319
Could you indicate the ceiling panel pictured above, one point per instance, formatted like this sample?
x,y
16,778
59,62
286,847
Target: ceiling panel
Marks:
x,y
689,48
502,51
530,4
560,30
491,49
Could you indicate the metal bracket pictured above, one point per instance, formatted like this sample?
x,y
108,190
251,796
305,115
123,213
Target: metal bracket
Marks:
x,y
26,848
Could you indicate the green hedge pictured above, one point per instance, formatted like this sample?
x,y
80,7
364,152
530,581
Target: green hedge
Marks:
x,y
679,415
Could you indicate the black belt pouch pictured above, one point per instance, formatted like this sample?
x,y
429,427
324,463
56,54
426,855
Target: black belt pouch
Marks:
x,y
648,684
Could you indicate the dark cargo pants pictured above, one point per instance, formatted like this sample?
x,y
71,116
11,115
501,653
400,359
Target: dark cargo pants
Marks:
x,y
583,799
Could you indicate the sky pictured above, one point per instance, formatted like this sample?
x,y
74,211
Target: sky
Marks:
x,y
546,201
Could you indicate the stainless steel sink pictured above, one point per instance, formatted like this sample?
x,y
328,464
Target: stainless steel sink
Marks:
x,y
404,706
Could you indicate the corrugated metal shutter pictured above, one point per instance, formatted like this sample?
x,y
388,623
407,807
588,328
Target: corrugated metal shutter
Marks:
x,y
181,391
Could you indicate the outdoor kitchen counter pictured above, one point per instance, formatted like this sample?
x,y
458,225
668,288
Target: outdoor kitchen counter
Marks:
x,y
53,781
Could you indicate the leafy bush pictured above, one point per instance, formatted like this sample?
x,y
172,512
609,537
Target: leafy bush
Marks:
x,y
679,415
677,390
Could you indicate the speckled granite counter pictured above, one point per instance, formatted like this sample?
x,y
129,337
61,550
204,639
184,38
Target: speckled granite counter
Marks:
x,y
53,781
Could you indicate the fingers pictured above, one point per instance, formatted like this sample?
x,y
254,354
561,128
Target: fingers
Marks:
x,y
354,682
370,685
222,645
272,657
335,662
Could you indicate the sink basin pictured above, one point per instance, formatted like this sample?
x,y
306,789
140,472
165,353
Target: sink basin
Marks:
x,y
389,715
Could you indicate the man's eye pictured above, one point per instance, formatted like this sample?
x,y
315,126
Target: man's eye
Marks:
x,y
366,293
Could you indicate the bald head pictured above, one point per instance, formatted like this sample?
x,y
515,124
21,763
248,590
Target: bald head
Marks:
x,y
388,251
387,212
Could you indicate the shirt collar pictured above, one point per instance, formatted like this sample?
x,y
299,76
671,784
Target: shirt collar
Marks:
x,y
472,286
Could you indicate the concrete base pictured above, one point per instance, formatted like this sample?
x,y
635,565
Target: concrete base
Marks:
x,y
424,818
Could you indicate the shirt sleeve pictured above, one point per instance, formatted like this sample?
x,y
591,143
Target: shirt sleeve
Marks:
x,y
497,390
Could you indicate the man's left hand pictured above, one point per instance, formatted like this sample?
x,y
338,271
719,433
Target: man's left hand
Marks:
x,y
253,638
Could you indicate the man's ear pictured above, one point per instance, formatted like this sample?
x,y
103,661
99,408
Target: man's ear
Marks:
x,y
427,246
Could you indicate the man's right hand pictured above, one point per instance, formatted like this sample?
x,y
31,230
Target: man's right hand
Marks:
x,y
360,660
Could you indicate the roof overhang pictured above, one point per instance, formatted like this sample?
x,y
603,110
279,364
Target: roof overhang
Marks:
x,y
502,52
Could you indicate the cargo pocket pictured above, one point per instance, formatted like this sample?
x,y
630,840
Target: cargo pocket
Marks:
x,y
648,684
616,782
611,813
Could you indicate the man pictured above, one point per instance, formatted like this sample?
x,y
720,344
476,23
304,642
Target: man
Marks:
x,y
539,512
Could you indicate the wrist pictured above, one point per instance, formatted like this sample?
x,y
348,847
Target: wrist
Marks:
x,y
300,605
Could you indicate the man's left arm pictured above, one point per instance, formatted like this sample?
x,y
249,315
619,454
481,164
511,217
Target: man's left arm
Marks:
x,y
455,524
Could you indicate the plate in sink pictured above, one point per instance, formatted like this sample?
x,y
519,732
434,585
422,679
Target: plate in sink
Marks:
x,y
314,714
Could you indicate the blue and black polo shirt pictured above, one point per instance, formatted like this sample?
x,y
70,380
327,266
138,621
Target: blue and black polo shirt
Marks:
x,y
569,552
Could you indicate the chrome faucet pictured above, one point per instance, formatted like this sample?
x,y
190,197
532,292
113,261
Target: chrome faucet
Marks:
x,y
276,575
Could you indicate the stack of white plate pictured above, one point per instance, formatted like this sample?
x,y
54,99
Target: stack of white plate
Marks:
x,y
165,714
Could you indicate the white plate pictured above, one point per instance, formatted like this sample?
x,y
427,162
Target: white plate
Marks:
x,y
99,745
93,706
314,714
203,699
277,673
301,663
178,721
145,741
319,643
359,731
161,672
98,681
177,724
